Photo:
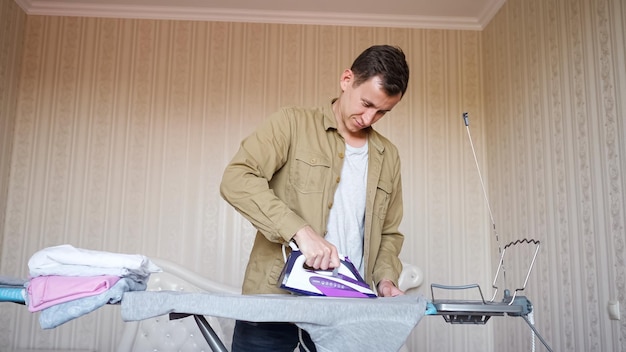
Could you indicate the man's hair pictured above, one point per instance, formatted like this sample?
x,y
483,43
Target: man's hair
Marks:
x,y
385,61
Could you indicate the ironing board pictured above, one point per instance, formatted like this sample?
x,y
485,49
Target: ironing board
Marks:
x,y
479,311
364,323
12,289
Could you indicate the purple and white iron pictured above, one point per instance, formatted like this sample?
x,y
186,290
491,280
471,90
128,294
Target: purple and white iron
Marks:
x,y
344,281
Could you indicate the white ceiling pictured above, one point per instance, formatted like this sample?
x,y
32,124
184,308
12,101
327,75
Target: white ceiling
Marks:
x,y
443,14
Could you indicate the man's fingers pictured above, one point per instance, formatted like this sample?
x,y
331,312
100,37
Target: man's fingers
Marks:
x,y
323,259
319,253
387,289
334,258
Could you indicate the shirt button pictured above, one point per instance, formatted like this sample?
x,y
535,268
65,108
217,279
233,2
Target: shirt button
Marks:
x,y
313,161
341,155
330,205
338,179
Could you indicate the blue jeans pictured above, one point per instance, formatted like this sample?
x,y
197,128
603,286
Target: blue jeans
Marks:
x,y
269,337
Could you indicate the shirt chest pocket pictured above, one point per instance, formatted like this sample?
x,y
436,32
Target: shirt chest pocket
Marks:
x,y
310,172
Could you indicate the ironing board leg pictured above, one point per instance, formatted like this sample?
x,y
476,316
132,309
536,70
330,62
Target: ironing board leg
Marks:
x,y
209,334
536,332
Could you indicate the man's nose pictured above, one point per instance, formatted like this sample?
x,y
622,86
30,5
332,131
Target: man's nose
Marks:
x,y
368,116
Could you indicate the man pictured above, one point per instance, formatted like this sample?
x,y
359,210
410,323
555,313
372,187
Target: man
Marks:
x,y
326,180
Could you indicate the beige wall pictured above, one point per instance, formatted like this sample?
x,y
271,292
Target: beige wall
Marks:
x,y
555,98
124,127
12,20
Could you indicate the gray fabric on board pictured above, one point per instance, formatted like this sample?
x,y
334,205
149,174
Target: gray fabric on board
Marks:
x,y
335,324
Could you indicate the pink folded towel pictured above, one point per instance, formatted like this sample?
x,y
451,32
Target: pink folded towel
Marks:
x,y
46,291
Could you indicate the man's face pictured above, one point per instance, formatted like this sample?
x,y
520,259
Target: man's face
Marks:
x,y
363,105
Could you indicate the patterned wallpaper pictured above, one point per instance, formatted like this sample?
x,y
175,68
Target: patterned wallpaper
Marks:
x,y
123,128
555,100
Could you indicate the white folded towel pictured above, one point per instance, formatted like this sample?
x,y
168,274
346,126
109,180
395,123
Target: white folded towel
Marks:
x,y
66,260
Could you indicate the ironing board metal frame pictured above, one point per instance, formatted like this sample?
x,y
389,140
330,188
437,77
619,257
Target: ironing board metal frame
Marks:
x,y
205,328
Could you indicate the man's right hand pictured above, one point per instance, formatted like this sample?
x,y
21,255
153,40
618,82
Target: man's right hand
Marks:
x,y
319,253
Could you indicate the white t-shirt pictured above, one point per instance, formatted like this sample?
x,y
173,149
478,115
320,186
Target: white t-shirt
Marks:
x,y
347,216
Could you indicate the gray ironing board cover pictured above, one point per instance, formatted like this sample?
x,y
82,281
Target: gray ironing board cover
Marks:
x,y
335,324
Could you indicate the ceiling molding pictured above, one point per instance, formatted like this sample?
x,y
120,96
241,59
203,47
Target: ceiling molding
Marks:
x,y
490,12
65,8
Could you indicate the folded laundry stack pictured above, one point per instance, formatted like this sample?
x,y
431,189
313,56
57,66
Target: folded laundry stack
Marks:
x,y
67,282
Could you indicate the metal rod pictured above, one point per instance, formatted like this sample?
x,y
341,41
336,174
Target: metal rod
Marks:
x,y
482,184
209,334
537,333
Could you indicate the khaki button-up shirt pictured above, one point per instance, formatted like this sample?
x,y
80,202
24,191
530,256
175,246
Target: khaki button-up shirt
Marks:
x,y
284,177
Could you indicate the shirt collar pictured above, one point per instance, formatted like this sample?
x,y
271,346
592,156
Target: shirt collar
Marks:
x,y
329,116
330,122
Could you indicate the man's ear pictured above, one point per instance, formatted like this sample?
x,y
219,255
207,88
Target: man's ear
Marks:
x,y
347,78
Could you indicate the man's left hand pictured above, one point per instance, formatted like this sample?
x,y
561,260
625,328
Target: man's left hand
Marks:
x,y
386,288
